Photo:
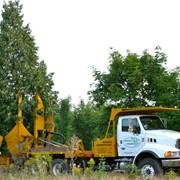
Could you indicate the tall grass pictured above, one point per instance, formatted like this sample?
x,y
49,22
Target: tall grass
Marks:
x,y
25,173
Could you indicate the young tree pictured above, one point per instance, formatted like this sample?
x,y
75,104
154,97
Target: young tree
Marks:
x,y
64,118
137,80
86,121
20,68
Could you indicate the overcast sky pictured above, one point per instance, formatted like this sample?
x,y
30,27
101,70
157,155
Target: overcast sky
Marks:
x,y
73,35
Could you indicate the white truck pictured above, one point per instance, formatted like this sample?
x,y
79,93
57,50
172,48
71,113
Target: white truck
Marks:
x,y
137,136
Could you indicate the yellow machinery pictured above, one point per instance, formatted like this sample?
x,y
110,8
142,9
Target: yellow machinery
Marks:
x,y
1,139
22,144
19,140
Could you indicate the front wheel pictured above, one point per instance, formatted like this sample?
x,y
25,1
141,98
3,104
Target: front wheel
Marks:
x,y
150,167
59,167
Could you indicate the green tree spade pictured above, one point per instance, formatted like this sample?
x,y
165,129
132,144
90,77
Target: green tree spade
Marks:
x,y
20,68
137,80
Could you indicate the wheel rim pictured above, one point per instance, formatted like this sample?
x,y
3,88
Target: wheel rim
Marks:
x,y
148,171
58,169
34,170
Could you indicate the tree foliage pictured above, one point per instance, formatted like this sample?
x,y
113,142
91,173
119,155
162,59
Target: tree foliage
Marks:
x,y
86,123
137,80
20,68
64,118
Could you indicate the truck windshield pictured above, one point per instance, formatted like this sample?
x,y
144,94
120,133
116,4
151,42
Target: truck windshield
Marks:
x,y
151,122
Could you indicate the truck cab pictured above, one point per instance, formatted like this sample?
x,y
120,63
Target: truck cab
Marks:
x,y
140,133
139,136
145,139
133,133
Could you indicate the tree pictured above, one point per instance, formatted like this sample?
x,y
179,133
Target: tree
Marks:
x,y
86,122
64,118
137,80
20,68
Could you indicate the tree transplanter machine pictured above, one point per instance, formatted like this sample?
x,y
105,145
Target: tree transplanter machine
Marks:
x,y
134,136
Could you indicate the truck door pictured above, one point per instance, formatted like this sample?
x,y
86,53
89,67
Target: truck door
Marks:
x,y
129,136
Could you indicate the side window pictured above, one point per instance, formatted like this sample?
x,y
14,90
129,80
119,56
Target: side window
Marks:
x,y
130,125
125,125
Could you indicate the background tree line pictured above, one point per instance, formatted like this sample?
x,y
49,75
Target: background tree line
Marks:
x,y
133,80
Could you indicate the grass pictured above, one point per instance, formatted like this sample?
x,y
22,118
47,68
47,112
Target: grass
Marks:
x,y
14,173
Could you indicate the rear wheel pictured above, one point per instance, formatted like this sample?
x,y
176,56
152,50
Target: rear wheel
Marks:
x,y
150,167
59,167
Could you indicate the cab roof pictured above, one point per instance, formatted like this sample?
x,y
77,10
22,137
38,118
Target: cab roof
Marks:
x,y
140,110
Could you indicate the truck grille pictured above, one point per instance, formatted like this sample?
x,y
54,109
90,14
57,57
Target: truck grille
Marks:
x,y
178,143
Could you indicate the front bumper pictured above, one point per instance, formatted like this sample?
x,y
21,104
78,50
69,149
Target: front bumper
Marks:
x,y
170,162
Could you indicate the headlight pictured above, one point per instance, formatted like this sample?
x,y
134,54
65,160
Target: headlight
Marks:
x,y
171,154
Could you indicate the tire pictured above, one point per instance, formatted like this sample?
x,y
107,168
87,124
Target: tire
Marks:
x,y
150,167
59,167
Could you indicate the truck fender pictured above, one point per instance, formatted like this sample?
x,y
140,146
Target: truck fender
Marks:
x,y
145,154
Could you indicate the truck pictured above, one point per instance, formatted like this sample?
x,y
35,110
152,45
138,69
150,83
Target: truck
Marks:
x,y
134,136
139,136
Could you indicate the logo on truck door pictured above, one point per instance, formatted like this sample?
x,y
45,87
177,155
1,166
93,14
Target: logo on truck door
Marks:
x,y
131,142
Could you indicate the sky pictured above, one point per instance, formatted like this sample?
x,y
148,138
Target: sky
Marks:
x,y
74,35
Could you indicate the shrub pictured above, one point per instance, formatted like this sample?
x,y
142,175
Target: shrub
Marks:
x,y
39,164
